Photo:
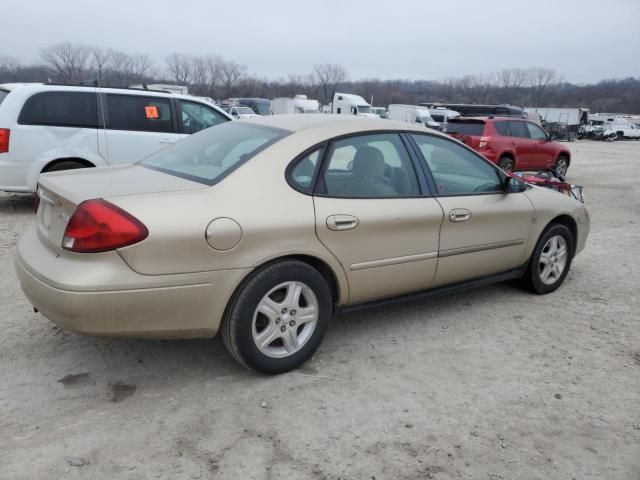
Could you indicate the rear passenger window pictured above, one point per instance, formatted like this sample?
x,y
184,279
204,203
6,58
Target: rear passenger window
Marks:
x,y
132,112
502,128
61,109
303,172
519,129
370,166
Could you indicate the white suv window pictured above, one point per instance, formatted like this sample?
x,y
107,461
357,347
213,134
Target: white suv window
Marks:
x,y
135,112
60,109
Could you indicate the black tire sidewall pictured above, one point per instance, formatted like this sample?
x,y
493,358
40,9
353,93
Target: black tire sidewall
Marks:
x,y
505,161
566,164
534,275
241,316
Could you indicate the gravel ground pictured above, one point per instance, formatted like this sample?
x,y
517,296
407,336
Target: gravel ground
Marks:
x,y
492,384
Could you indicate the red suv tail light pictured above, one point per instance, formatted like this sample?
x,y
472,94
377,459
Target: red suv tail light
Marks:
x,y
4,140
484,141
100,226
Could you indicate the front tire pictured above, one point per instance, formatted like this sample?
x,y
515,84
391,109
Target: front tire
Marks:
x,y
506,164
550,261
277,319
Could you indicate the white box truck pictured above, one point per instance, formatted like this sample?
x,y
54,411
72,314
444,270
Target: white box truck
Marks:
x,y
412,114
348,104
297,104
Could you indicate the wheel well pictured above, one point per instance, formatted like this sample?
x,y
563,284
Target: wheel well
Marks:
x,y
570,223
324,269
81,161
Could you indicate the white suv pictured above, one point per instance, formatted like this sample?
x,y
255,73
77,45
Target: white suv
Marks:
x,y
45,127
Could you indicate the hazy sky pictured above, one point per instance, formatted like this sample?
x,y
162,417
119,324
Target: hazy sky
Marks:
x,y
583,40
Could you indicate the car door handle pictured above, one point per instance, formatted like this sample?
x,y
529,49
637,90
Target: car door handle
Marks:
x,y
459,215
168,141
342,222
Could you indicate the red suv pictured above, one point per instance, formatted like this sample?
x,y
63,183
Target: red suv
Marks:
x,y
511,143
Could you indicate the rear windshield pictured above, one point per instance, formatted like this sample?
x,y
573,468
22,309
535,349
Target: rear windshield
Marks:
x,y
465,128
3,93
208,156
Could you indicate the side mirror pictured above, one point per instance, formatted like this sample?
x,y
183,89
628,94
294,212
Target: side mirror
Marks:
x,y
513,185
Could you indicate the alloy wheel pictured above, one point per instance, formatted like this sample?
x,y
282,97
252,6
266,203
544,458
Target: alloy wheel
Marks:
x,y
285,319
553,259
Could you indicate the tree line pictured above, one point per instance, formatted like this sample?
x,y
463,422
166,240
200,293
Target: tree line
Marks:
x,y
219,78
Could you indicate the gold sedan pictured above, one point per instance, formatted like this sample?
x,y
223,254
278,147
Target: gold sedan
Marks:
x,y
266,228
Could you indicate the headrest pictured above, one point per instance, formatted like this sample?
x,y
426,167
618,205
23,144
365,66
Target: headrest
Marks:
x,y
368,163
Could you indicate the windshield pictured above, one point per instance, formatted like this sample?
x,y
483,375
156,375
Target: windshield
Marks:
x,y
427,120
3,93
364,109
245,111
208,156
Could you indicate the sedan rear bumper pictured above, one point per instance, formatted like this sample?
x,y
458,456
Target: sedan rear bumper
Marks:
x,y
185,306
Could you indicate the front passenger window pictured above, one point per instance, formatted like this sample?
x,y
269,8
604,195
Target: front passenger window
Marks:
x,y
196,117
456,170
370,166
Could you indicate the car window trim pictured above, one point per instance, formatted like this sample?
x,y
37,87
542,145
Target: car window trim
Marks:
x,y
172,108
320,188
288,173
431,178
94,92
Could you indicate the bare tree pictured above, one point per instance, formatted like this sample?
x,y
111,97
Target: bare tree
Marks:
x,y
9,67
67,61
140,67
99,61
231,74
120,66
179,67
329,76
540,78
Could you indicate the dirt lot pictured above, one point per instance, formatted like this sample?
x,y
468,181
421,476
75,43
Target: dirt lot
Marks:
x,y
491,384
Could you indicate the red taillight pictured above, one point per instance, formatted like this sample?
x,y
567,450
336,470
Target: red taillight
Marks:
x,y
36,202
4,140
484,141
99,226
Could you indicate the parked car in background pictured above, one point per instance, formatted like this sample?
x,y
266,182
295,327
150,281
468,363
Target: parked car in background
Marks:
x,y
380,111
283,221
442,116
238,112
412,114
472,109
348,104
45,127
297,104
623,131
511,143
261,106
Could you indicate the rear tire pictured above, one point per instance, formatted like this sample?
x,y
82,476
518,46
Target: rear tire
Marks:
x,y
550,261
277,319
506,164
64,165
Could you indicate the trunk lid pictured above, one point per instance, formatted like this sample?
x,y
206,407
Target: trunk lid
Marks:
x,y
61,192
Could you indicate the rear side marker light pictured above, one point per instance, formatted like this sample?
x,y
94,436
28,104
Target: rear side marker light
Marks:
x,y
4,140
100,226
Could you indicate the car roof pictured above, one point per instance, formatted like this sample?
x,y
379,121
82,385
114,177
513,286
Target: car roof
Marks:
x,y
347,123
485,118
